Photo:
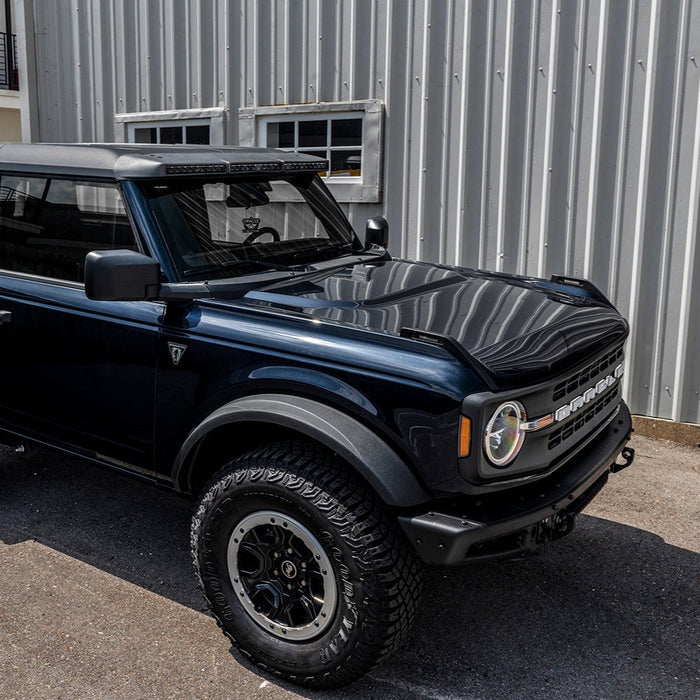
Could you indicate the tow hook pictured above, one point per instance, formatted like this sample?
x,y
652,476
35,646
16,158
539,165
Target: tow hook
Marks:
x,y
627,455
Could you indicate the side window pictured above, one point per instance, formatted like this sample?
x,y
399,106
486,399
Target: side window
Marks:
x,y
48,226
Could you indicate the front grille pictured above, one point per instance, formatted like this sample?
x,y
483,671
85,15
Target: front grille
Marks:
x,y
582,417
586,375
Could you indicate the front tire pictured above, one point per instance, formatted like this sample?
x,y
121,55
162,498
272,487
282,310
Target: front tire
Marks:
x,y
303,566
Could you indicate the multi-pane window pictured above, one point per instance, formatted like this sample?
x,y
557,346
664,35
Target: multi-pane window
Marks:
x,y
192,131
347,134
337,138
201,127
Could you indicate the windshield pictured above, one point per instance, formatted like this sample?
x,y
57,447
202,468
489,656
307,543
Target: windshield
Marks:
x,y
227,228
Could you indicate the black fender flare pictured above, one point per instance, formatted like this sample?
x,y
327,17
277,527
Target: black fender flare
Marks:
x,y
361,448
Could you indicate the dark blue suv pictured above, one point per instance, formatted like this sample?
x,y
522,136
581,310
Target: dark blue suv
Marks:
x,y
207,319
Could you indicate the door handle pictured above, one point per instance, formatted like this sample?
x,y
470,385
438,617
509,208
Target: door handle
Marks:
x,y
5,317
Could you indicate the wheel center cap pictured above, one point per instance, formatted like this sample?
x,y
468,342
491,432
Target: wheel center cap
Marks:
x,y
289,569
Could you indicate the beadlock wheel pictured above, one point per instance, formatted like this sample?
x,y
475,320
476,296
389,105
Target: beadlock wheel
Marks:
x,y
282,575
304,568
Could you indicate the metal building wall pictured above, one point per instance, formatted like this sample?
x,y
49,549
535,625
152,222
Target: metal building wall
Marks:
x,y
532,137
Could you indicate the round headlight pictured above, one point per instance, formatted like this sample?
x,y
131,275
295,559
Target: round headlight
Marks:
x,y
503,437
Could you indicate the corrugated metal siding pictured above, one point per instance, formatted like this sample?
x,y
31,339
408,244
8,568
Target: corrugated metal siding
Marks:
x,y
536,138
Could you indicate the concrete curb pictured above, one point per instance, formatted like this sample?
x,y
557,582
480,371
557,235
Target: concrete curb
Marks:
x,y
682,433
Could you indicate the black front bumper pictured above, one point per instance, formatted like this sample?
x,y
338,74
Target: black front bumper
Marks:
x,y
520,519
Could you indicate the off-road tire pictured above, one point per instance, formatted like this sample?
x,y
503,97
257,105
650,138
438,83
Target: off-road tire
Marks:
x,y
376,574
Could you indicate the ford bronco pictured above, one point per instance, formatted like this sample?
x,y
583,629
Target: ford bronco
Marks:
x,y
343,418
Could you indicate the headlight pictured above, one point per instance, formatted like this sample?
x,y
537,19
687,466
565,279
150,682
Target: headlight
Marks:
x,y
504,437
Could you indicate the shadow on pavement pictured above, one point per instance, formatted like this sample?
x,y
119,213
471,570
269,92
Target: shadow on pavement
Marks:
x,y
611,611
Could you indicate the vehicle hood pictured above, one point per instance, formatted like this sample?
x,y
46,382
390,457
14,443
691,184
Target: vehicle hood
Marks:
x,y
511,330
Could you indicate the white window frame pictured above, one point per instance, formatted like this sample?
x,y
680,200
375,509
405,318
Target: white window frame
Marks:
x,y
125,124
252,129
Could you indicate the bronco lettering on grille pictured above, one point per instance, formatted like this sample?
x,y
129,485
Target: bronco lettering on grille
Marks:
x,y
582,399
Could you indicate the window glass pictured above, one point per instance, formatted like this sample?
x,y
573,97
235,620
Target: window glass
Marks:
x,y
101,200
337,138
197,134
346,163
47,227
170,134
313,133
223,229
280,135
14,187
61,192
146,135
346,132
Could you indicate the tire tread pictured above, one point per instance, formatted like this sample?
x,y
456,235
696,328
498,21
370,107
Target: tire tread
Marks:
x,y
367,527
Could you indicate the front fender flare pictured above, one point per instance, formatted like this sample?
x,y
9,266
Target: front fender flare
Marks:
x,y
361,448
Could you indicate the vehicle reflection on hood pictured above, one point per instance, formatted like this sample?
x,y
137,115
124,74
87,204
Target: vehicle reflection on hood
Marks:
x,y
518,328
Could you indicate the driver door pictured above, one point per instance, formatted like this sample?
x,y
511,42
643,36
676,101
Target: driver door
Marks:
x,y
75,373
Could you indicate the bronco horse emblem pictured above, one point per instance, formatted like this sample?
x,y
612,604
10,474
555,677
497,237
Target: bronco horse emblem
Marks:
x,y
176,352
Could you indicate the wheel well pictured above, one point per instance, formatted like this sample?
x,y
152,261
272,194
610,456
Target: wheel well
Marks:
x,y
221,445
249,422
228,442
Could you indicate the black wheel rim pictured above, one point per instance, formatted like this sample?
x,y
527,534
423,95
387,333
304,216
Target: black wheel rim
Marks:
x,y
282,575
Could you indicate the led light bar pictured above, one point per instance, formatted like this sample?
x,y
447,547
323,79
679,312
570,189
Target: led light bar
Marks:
x,y
266,167
255,167
317,166
289,166
201,169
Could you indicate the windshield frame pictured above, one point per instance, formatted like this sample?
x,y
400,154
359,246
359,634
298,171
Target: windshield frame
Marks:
x,y
341,238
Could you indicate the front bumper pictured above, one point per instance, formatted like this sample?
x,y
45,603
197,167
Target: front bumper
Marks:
x,y
520,519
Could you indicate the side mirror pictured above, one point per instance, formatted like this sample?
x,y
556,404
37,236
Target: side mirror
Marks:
x,y
121,275
377,232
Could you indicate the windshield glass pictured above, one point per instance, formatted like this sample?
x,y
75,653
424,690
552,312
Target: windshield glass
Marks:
x,y
233,227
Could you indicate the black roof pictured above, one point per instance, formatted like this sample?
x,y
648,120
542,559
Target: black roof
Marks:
x,y
128,161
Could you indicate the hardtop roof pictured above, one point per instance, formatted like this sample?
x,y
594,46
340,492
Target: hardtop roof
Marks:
x,y
123,161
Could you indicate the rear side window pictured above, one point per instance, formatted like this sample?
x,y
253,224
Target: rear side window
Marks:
x,y
48,226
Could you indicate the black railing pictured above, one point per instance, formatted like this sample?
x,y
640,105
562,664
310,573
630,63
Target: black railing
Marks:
x,y
8,62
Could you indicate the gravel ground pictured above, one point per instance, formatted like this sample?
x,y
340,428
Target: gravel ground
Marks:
x,y
98,598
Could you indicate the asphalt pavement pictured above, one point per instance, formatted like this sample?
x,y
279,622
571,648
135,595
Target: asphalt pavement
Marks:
x,y
98,598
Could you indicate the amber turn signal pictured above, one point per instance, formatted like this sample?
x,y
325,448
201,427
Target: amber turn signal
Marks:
x,y
465,436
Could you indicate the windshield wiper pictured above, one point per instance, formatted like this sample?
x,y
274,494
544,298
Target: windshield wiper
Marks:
x,y
319,269
200,270
298,261
328,250
236,287
261,264
229,265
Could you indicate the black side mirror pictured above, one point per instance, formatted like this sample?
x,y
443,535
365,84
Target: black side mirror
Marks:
x,y
121,275
377,232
